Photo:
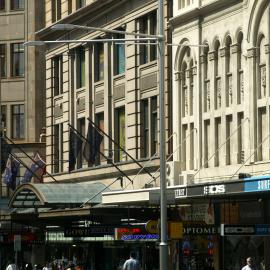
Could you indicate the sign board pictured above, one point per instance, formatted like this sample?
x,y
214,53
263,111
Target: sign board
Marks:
x,y
17,242
257,229
257,185
88,231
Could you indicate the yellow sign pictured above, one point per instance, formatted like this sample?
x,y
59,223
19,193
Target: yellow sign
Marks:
x,y
175,230
151,226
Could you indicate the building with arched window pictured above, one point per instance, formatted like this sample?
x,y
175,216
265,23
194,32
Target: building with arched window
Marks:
x,y
221,77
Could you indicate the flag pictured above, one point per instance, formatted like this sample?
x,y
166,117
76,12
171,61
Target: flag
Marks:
x,y
11,171
5,151
92,144
75,146
36,169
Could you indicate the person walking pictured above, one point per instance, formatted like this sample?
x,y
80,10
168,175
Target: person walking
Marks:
x,y
132,263
250,265
12,266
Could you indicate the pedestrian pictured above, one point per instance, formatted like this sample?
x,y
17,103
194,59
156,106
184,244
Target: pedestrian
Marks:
x,y
28,266
132,263
47,266
12,266
250,264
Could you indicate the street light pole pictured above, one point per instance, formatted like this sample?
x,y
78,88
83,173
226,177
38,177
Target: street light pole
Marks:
x,y
163,246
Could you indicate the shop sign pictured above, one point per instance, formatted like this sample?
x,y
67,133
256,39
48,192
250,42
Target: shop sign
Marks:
x,y
258,185
214,189
262,229
237,230
180,193
88,231
151,226
200,230
134,233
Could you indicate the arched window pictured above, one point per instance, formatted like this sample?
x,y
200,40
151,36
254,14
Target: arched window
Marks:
x,y
206,82
217,77
228,74
240,74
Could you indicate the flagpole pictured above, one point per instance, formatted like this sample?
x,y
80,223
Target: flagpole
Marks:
x,y
110,161
108,136
21,149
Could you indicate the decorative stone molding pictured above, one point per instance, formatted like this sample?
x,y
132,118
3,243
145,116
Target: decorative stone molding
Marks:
x,y
267,48
177,76
194,70
235,48
188,71
252,52
202,58
212,56
222,52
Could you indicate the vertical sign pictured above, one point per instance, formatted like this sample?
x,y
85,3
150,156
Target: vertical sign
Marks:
x,y
17,242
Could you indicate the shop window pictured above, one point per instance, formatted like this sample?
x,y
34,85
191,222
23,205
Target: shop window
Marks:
x,y
17,4
99,62
57,67
80,67
56,10
18,121
119,56
120,133
58,148
100,124
2,5
81,130
3,60
149,127
148,25
17,60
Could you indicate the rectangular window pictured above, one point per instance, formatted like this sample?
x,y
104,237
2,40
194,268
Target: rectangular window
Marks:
x,y
17,59
3,60
148,25
119,57
80,3
4,117
69,6
149,127
58,148
18,121
17,4
2,5
81,130
99,62
57,76
120,133
80,67
56,10
100,123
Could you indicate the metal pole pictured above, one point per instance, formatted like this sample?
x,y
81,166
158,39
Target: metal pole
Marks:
x,y
163,249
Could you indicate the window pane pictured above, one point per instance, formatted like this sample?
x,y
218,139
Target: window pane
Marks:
x,y
3,60
145,129
18,121
100,123
120,59
4,117
17,4
57,75
154,126
80,68
17,54
99,62
2,5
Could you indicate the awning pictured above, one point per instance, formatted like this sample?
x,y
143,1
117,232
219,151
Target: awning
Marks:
x,y
57,195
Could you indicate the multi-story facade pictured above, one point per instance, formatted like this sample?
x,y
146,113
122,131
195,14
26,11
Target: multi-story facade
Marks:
x,y
221,94
116,86
22,91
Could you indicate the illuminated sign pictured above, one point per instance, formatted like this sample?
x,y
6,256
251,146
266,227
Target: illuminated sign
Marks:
x,y
180,192
88,231
258,185
214,189
134,233
151,226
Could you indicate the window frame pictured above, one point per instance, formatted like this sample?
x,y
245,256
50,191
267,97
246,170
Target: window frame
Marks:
x,y
99,58
3,61
119,56
80,67
15,117
120,133
17,60
16,5
57,75
2,5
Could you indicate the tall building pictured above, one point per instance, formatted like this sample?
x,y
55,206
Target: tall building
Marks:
x,y
21,93
221,115
115,85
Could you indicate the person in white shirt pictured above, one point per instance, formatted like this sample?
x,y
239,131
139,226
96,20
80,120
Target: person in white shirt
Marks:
x,y
250,265
132,263
12,266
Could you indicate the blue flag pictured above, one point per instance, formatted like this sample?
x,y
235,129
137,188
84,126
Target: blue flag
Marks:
x,y
11,171
92,145
75,146
5,151
36,169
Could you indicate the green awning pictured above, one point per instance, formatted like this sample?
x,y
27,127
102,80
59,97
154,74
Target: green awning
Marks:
x,y
57,195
